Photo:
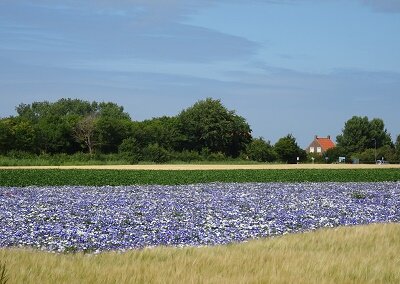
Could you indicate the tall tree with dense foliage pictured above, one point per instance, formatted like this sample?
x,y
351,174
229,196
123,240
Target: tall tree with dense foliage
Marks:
x,y
261,151
209,125
397,147
112,126
6,135
288,150
360,134
161,130
130,150
25,136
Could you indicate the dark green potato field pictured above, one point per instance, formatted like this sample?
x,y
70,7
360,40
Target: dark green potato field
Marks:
x,y
128,177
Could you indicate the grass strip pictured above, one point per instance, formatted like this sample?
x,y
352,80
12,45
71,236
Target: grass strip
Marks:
x,y
57,177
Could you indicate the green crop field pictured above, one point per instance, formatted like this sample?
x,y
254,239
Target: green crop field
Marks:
x,y
55,177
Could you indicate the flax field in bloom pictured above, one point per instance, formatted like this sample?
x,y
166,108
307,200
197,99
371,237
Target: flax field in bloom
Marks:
x,y
109,218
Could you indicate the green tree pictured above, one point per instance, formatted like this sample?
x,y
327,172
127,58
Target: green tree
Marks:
x,y
334,153
112,126
208,124
130,150
24,136
54,123
62,107
163,131
156,153
54,134
360,134
58,122
386,153
261,151
288,150
60,127
397,147
6,135
367,156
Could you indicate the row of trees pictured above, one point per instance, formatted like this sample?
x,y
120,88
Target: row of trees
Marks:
x,y
206,130
366,140
66,126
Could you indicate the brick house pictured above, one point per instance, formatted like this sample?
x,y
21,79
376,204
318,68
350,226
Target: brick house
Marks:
x,y
320,145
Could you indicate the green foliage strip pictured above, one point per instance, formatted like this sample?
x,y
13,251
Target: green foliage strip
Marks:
x,y
128,177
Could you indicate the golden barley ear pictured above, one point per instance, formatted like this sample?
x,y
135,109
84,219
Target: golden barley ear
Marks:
x,y
3,273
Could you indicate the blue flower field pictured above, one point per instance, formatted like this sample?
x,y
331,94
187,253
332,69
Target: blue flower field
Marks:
x,y
96,219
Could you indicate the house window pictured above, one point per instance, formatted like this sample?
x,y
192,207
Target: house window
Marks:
x,y
319,150
311,149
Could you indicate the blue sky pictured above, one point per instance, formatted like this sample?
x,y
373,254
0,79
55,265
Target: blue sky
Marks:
x,y
302,67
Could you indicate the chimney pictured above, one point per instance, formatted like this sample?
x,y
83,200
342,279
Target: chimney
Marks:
x,y
329,137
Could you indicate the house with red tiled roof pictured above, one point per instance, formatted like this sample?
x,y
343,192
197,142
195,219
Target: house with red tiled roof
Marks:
x,y
320,145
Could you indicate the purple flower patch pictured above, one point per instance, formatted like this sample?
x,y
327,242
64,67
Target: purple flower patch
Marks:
x,y
94,219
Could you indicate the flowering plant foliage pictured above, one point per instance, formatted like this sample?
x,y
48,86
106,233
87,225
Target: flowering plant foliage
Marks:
x,y
94,219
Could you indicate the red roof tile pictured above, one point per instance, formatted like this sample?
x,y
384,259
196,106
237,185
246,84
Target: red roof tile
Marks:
x,y
325,143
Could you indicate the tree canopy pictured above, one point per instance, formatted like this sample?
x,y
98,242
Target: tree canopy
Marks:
x,y
207,130
360,134
261,151
71,125
288,150
208,124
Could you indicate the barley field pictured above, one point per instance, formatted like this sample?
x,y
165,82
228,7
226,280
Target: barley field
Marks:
x,y
361,254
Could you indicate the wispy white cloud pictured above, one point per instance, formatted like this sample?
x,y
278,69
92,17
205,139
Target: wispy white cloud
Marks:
x,y
132,29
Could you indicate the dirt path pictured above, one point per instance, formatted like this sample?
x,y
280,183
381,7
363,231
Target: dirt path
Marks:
x,y
211,167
